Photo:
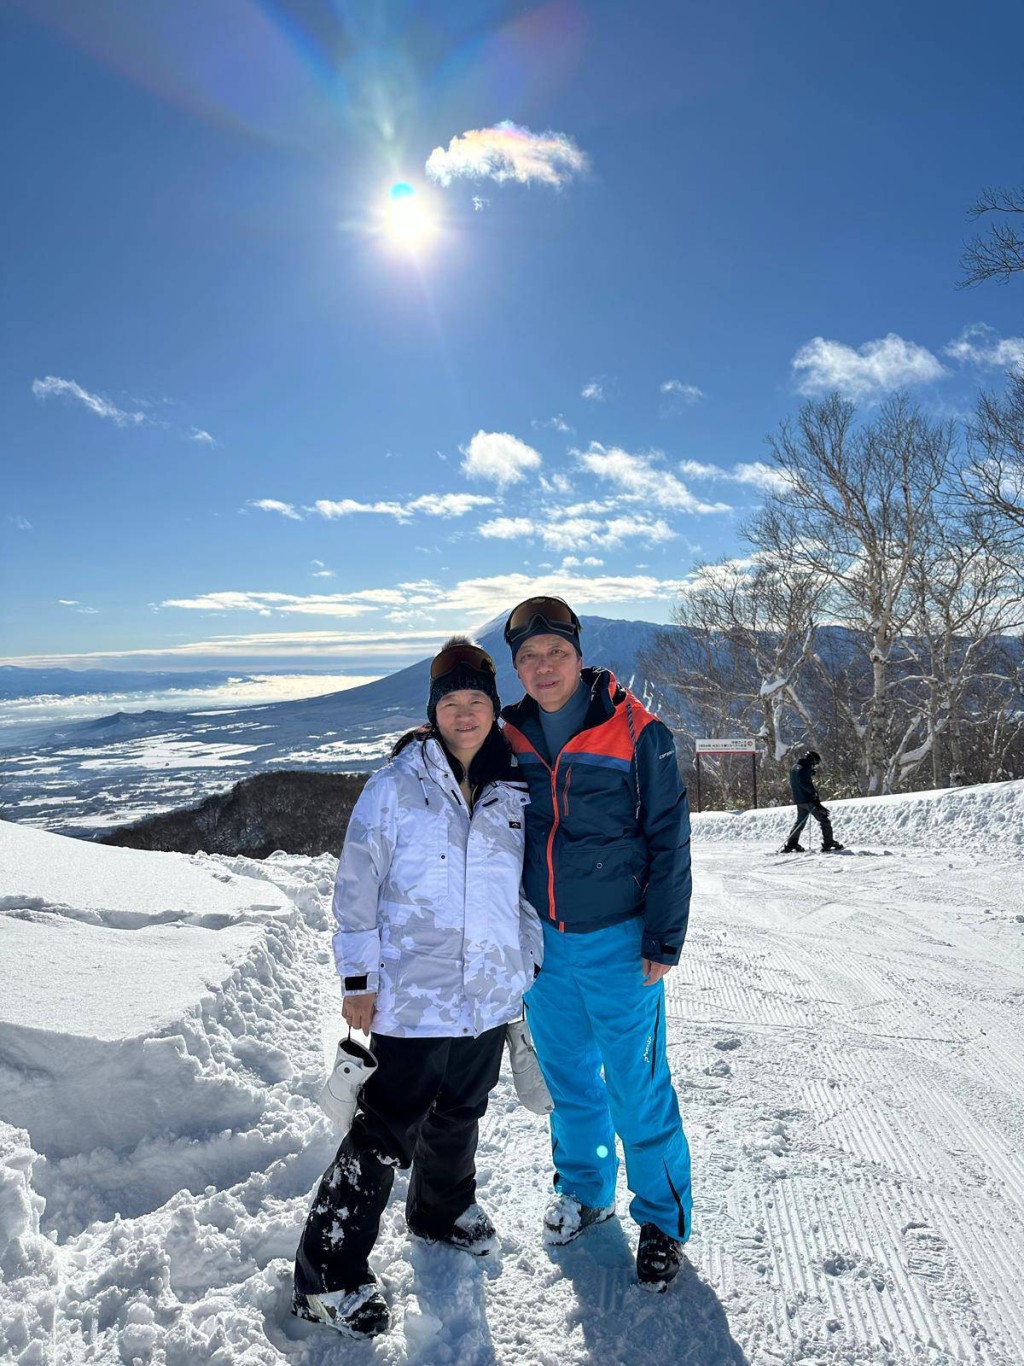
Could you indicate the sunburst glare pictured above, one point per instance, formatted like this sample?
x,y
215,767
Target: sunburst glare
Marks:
x,y
409,221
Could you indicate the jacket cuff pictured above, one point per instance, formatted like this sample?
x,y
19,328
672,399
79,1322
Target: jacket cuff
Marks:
x,y
653,947
360,984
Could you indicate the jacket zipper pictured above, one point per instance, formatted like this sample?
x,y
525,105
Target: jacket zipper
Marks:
x,y
551,843
551,834
565,793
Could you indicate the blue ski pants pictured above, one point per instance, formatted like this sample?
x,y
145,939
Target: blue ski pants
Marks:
x,y
589,1010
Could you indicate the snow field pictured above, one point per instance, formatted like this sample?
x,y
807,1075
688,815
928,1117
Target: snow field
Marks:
x,y
845,1034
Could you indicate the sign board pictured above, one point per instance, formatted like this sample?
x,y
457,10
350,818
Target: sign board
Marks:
x,y
726,746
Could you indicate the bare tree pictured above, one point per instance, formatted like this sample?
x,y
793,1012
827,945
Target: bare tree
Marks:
x,y
999,253
856,513
747,634
994,478
968,601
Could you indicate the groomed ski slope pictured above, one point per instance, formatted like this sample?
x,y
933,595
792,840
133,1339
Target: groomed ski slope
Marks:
x,y
846,1036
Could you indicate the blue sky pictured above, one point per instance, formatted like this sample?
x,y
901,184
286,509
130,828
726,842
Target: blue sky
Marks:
x,y
245,425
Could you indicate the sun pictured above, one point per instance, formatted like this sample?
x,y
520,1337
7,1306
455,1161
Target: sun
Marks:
x,y
409,222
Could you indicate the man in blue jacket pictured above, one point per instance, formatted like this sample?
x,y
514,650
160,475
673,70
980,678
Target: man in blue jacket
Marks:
x,y
608,870
808,803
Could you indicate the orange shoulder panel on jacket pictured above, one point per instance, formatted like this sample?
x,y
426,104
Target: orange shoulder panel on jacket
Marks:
x,y
613,737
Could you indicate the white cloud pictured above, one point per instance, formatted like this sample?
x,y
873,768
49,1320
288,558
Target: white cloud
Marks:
x,y
687,394
507,528
593,390
556,423
485,598
756,473
310,604
52,387
638,480
696,469
498,456
323,573
448,504
68,602
272,505
876,368
508,152
478,598
347,507
565,529
762,476
197,434
22,523
480,203
982,345
558,483
79,607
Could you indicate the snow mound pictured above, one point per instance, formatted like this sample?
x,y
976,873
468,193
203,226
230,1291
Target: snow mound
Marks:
x,y
158,1020
989,817
124,888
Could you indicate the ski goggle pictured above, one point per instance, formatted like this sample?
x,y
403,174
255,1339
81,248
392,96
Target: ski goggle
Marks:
x,y
450,659
552,612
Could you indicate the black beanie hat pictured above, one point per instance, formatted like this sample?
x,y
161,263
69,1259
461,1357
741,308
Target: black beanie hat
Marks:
x,y
463,676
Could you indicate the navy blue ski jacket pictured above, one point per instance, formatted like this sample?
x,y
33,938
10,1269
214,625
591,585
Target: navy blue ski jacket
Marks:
x,y
608,825
801,782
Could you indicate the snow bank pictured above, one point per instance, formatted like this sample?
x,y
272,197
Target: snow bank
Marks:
x,y
989,817
157,1019
124,888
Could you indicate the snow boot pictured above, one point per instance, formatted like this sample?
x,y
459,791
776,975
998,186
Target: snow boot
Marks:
x,y
565,1218
472,1232
832,848
361,1313
353,1066
658,1258
527,1077
792,849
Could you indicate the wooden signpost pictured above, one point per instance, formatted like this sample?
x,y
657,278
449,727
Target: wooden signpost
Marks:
x,y
729,746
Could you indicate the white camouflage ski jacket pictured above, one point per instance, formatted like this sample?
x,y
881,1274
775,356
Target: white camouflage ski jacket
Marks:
x,y
428,901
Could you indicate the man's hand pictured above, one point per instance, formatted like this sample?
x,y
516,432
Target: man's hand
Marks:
x,y
358,1010
654,972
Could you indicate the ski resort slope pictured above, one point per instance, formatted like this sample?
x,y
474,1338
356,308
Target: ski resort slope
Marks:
x,y
846,1038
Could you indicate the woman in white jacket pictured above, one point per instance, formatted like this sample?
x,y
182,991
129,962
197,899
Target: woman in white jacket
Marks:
x,y
435,949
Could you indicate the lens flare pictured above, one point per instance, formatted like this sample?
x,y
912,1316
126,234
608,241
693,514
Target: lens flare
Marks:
x,y
409,221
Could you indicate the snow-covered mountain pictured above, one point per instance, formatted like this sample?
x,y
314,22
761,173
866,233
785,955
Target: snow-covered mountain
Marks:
x,y
847,1044
118,768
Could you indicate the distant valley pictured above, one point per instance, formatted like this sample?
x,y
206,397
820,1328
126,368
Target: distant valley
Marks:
x,y
95,775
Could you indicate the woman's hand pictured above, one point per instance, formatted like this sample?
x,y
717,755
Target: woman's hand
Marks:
x,y
358,1010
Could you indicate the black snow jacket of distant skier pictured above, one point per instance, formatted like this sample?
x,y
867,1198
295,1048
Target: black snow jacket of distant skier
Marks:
x,y
801,781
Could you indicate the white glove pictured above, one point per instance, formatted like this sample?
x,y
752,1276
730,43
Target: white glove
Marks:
x,y
353,1066
531,1088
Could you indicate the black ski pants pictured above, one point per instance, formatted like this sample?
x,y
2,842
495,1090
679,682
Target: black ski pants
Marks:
x,y
805,810
421,1108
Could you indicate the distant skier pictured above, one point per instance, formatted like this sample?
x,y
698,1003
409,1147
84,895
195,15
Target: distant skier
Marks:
x,y
808,803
